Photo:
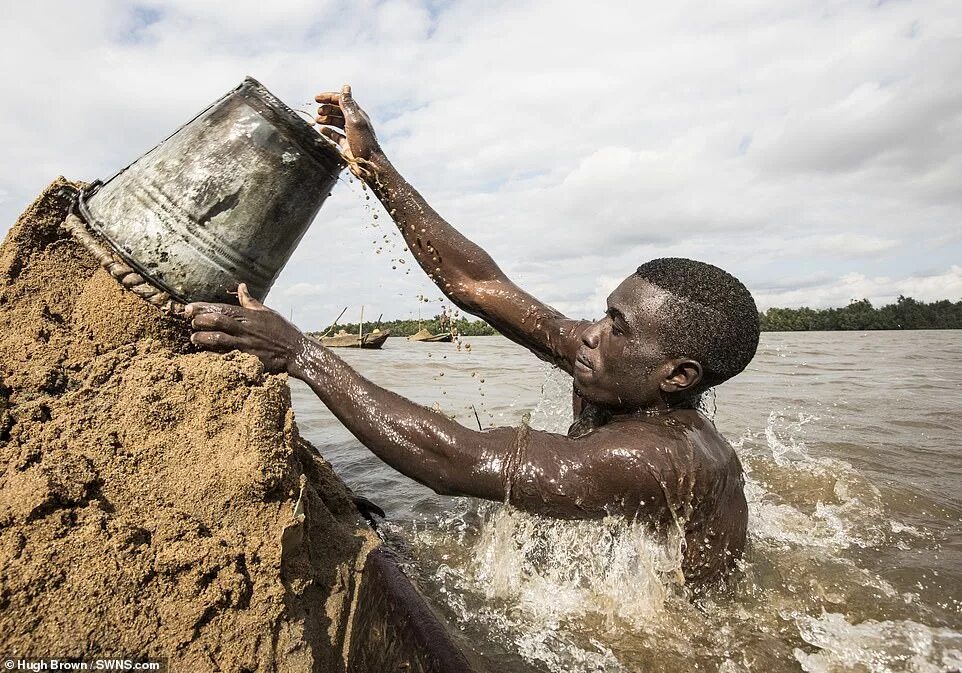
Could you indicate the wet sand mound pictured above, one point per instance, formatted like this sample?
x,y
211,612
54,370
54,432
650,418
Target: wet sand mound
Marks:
x,y
145,489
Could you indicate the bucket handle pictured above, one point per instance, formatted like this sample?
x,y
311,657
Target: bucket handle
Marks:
x,y
115,265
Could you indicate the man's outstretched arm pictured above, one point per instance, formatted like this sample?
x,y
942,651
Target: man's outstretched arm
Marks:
x,y
537,471
541,472
461,269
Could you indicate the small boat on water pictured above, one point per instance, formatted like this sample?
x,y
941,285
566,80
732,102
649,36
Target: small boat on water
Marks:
x,y
424,335
373,339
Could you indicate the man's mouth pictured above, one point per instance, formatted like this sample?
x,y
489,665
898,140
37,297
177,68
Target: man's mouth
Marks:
x,y
583,360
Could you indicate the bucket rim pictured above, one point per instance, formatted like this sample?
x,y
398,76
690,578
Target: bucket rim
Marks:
x,y
255,98
320,147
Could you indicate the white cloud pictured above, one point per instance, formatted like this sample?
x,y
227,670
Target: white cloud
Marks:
x,y
852,245
879,290
779,141
300,290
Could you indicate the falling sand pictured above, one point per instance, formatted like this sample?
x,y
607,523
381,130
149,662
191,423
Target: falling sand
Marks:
x,y
148,491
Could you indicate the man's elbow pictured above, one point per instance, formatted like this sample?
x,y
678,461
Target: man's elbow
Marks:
x,y
479,297
465,478
447,482
435,469
443,488
464,293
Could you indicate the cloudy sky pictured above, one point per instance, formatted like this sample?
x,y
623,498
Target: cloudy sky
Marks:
x,y
813,149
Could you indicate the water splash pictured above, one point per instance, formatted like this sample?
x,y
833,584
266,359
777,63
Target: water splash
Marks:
x,y
559,570
547,589
803,500
876,646
599,596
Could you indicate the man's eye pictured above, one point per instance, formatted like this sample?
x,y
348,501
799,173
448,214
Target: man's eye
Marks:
x,y
614,324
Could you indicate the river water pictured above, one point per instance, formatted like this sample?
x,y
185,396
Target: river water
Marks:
x,y
850,442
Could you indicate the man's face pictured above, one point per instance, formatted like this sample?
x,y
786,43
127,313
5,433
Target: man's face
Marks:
x,y
620,363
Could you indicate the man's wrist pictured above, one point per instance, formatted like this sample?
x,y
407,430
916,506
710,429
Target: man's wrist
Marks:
x,y
378,159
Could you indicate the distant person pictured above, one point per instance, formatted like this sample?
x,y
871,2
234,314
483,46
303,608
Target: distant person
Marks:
x,y
638,447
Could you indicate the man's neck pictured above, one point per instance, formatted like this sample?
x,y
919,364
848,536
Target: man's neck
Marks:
x,y
594,416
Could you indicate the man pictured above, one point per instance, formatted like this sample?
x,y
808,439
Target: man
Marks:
x,y
638,447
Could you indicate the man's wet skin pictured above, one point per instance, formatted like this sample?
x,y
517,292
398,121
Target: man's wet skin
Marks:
x,y
637,449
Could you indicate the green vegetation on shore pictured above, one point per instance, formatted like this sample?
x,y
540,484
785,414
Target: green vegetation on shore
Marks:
x,y
905,313
435,325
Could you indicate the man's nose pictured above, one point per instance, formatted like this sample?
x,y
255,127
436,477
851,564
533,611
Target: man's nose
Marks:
x,y
592,335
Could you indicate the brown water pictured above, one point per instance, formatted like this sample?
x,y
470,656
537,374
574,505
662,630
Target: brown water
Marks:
x,y
851,445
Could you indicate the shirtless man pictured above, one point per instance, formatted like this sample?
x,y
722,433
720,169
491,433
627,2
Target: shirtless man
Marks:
x,y
638,448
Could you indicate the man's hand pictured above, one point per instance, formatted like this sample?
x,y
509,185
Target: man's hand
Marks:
x,y
251,327
357,143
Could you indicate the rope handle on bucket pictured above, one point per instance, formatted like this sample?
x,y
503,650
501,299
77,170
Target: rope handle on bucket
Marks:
x,y
117,267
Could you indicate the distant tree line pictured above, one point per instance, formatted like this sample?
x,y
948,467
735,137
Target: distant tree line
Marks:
x,y
435,325
905,313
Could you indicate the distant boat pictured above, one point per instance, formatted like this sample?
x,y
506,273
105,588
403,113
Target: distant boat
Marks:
x,y
424,335
373,339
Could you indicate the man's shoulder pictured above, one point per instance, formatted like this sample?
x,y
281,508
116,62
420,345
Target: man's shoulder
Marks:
x,y
689,440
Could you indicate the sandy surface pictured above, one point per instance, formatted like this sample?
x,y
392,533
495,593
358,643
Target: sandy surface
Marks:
x,y
145,488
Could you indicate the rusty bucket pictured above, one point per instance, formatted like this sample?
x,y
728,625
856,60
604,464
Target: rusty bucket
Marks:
x,y
225,199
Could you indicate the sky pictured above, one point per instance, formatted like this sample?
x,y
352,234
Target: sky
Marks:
x,y
812,149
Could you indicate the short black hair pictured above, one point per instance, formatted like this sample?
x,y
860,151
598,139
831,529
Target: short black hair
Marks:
x,y
710,317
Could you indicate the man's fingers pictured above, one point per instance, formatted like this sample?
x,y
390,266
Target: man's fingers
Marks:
x,y
341,99
194,308
199,307
328,109
348,105
331,120
344,104
217,322
246,300
339,139
217,341
330,97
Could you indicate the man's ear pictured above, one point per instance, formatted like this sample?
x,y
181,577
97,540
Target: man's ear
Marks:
x,y
684,375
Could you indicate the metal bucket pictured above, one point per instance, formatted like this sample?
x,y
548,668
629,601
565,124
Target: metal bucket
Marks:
x,y
224,200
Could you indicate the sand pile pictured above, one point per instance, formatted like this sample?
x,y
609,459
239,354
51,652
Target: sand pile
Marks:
x,y
145,488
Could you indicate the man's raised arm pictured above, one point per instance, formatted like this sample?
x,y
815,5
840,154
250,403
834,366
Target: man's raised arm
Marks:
x,y
461,269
